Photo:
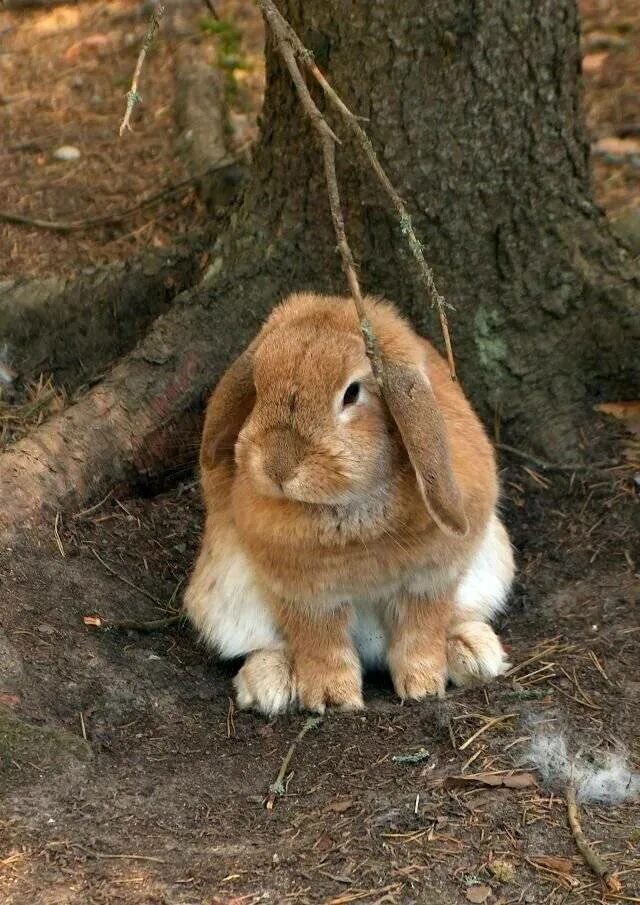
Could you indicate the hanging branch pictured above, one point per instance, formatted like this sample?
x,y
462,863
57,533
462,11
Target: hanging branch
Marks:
x,y
133,97
292,49
328,141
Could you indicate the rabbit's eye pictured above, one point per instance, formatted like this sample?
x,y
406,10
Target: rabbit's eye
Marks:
x,y
351,394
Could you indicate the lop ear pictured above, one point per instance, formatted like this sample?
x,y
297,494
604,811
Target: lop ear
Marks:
x,y
228,409
414,409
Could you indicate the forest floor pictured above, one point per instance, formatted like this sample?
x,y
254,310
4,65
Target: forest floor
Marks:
x,y
126,775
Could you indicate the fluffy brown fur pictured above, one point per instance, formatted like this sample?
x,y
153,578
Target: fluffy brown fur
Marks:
x,y
334,505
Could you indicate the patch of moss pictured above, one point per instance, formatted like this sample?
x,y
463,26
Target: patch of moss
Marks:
x,y
229,56
43,747
492,348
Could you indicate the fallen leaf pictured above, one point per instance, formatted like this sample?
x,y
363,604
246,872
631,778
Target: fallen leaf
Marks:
x,y
551,862
478,894
519,780
629,412
9,700
324,843
614,883
91,42
339,807
92,620
617,147
593,62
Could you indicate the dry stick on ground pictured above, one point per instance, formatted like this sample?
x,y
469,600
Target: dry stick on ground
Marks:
x,y
132,95
212,9
134,625
290,47
62,226
553,466
278,788
595,862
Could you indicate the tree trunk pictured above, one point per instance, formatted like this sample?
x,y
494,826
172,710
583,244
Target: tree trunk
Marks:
x,y
473,108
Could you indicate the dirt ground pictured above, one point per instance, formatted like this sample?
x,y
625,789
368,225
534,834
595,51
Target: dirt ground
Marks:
x,y
165,801
64,73
125,773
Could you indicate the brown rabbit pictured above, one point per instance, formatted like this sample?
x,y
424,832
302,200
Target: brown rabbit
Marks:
x,y
343,532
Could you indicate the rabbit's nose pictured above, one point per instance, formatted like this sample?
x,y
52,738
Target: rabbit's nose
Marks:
x,y
283,457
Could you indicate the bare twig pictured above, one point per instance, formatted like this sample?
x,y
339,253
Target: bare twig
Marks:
x,y
68,226
56,532
134,625
286,37
212,9
488,725
595,862
553,466
278,788
124,579
132,95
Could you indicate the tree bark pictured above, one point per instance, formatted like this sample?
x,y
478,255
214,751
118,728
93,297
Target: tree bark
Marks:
x,y
474,110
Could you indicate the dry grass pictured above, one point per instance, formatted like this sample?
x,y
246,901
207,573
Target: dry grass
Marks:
x,y
41,399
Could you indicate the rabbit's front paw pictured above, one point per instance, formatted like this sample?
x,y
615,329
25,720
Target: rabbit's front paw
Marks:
x,y
265,683
334,680
416,678
474,653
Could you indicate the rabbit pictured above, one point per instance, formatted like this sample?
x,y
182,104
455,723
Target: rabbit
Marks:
x,y
345,530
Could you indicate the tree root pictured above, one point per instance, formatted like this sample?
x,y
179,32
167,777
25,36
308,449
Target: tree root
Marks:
x,y
144,419
69,226
204,138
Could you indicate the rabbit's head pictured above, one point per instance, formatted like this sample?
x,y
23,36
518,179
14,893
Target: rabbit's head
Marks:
x,y
305,420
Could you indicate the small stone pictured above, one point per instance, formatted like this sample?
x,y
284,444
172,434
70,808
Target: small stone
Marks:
x,y
478,894
602,40
593,62
616,149
67,153
45,629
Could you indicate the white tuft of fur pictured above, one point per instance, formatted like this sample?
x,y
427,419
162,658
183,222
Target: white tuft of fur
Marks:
x,y
484,588
474,653
265,683
226,606
369,634
601,777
